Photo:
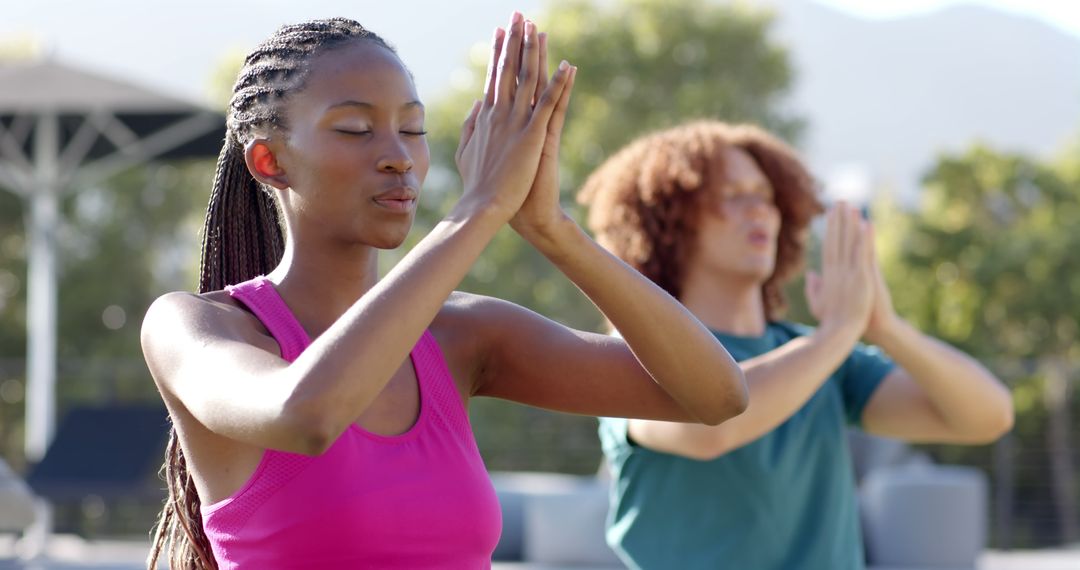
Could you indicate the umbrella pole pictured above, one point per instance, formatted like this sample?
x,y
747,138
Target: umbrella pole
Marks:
x,y
41,294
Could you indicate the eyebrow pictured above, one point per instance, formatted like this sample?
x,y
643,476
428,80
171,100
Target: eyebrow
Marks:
x,y
368,106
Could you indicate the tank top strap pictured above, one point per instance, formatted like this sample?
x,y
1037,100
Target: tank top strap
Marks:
x,y
439,385
260,296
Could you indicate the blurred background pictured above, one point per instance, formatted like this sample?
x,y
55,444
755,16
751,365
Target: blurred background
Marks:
x,y
956,123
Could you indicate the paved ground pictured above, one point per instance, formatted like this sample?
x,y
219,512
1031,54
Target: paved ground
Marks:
x,y
72,553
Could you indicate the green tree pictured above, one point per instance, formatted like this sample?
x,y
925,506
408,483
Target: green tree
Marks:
x,y
643,65
121,244
987,262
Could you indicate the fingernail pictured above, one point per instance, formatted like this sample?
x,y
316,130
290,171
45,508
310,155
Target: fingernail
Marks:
x,y
529,28
563,65
515,18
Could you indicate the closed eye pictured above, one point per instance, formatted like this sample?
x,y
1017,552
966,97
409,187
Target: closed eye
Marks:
x,y
348,132
414,133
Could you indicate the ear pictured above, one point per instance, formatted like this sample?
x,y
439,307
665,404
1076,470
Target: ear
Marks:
x,y
263,164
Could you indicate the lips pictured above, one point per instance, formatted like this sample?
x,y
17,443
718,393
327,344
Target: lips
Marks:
x,y
758,237
398,199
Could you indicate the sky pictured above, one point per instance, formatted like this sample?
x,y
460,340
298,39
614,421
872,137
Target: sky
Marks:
x,y
1064,14
176,46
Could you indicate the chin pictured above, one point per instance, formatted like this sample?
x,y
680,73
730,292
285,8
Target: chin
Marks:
x,y
389,242
387,236
761,272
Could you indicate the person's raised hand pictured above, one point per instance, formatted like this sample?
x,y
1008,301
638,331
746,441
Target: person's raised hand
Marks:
x,y
541,210
842,295
504,135
882,314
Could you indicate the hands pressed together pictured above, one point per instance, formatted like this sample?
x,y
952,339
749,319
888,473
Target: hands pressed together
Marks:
x,y
508,154
850,293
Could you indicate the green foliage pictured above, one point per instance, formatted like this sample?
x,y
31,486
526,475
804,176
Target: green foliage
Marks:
x,y
120,246
975,263
642,65
987,263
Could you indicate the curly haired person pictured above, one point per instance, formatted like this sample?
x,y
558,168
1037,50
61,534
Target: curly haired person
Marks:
x,y
718,216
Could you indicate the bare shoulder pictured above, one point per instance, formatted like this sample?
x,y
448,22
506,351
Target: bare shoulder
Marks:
x,y
475,315
217,311
474,308
465,329
179,321
464,316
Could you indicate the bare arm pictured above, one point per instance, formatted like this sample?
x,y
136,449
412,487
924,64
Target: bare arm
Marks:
x,y
782,380
938,394
204,357
673,362
670,366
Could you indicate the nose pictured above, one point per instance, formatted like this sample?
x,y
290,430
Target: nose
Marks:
x,y
758,208
395,158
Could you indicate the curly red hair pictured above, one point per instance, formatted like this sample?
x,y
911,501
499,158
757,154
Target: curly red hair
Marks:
x,y
644,201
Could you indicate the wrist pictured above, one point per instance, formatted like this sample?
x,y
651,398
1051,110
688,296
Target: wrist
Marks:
x,y
552,236
485,211
842,334
887,332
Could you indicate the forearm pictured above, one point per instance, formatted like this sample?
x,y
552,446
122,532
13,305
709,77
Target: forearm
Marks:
x,y
780,382
674,347
346,367
964,393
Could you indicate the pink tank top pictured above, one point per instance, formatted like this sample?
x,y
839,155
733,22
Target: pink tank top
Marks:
x,y
419,500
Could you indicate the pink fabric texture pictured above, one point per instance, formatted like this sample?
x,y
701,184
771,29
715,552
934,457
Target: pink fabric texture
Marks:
x,y
419,500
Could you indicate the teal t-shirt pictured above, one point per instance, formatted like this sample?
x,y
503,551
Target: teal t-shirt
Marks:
x,y
785,501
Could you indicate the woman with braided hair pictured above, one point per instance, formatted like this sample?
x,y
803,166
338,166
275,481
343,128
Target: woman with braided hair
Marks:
x,y
319,412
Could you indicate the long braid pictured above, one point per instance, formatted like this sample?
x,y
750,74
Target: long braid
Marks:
x,y
242,236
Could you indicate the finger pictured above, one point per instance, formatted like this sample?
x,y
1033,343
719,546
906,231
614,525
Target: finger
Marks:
x,y
857,238
530,63
872,233
871,249
859,231
843,236
493,63
541,70
558,116
550,97
831,249
467,129
506,82
869,257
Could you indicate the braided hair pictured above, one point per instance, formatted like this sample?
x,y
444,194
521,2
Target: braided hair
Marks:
x,y
242,235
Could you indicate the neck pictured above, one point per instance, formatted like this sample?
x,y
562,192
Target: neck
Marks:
x,y
724,303
320,284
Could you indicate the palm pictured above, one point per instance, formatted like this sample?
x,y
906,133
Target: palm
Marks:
x,y
882,312
541,207
543,197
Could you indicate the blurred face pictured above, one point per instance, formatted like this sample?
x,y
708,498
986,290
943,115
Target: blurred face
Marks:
x,y
739,221
355,154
